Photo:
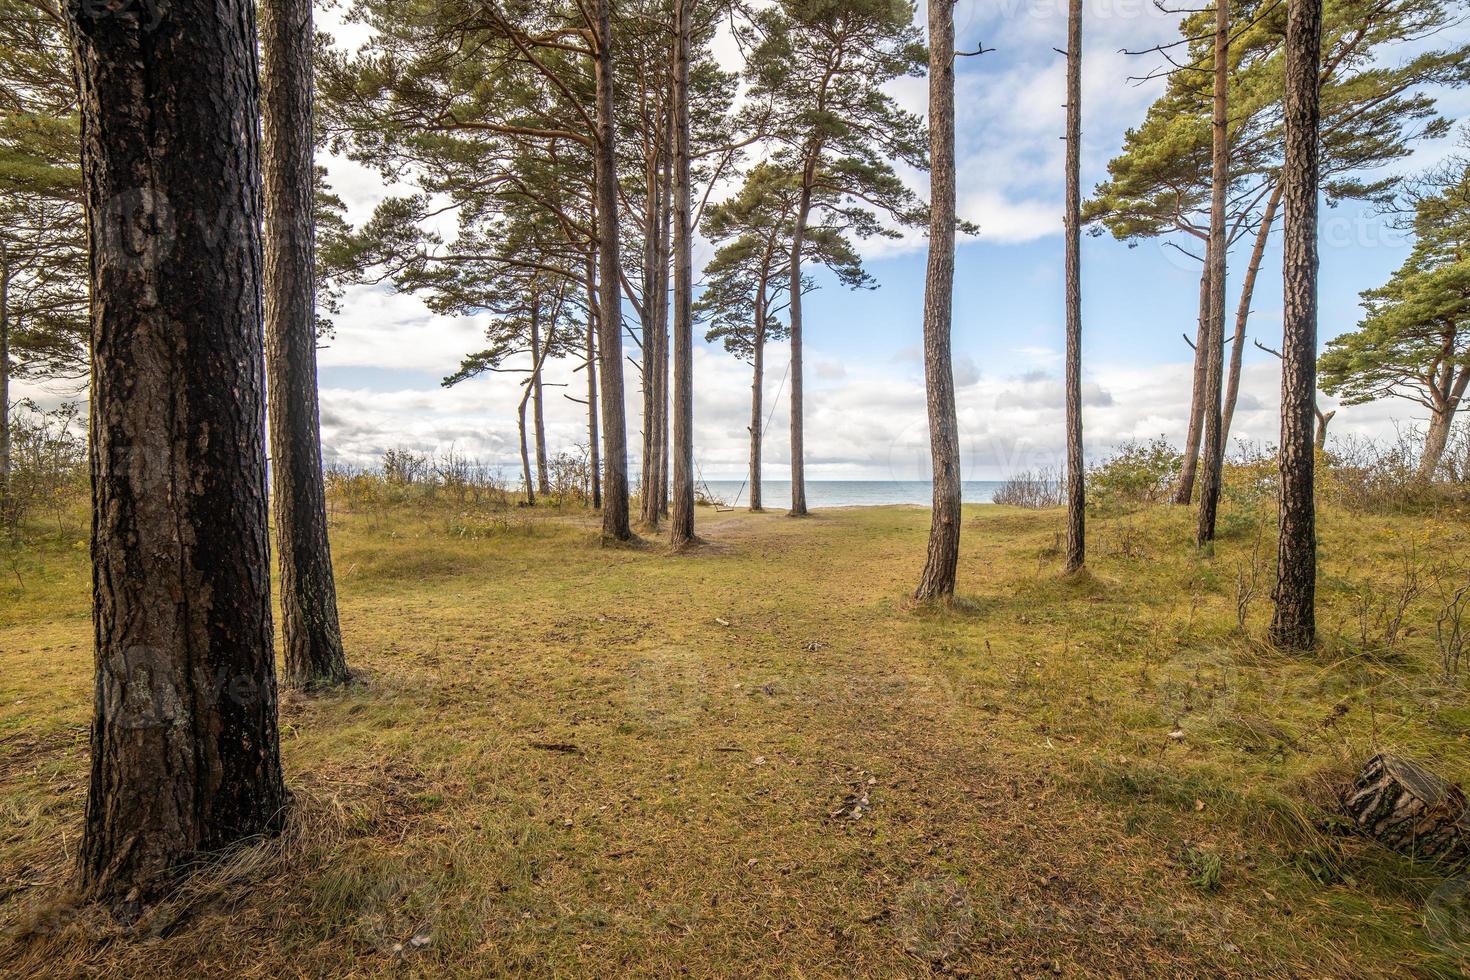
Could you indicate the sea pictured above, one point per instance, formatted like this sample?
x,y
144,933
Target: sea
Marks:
x,y
776,494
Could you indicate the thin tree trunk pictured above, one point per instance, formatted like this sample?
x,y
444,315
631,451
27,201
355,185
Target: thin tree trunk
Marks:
x,y
648,500
4,375
1213,445
1184,493
798,448
1294,623
525,447
756,389
1243,311
538,406
310,633
665,236
1076,467
593,454
615,522
185,753
938,578
681,531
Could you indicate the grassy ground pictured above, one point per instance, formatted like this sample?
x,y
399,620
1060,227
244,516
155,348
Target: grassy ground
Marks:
x,y
757,758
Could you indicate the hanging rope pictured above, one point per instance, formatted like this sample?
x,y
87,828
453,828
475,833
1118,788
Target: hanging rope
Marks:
x,y
764,429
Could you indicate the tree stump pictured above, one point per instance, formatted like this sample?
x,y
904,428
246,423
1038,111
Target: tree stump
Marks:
x,y
1410,810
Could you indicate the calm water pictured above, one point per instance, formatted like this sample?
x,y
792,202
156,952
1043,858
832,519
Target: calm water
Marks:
x,y
847,493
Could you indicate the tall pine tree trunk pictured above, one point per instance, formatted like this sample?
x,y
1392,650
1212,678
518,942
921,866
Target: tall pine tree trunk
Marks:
x,y
310,632
538,405
648,499
593,452
4,375
184,747
525,447
1213,446
615,522
1243,311
1294,623
665,235
797,409
1076,466
757,386
938,578
681,517
1189,467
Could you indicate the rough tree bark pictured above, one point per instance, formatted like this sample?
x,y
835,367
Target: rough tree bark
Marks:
x,y
1076,467
1243,312
184,746
681,518
1323,418
615,522
1212,449
1293,624
1410,810
1184,493
938,578
310,632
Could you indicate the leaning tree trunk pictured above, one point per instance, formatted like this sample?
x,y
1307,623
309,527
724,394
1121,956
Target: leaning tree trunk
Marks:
x,y
538,405
1435,441
1410,810
1243,312
1184,493
1213,455
757,385
1294,624
185,754
310,632
1076,474
938,578
615,522
681,518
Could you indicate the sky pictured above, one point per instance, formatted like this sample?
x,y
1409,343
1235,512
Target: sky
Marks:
x,y
865,407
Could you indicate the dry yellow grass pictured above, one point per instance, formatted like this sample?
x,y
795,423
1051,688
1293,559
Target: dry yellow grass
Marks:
x,y
757,758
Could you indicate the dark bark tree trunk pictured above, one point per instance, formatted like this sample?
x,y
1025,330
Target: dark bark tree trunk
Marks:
x,y
756,390
1243,312
1189,467
538,406
1410,810
615,522
593,453
797,409
1076,466
1293,624
310,632
184,746
681,519
938,578
1212,449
